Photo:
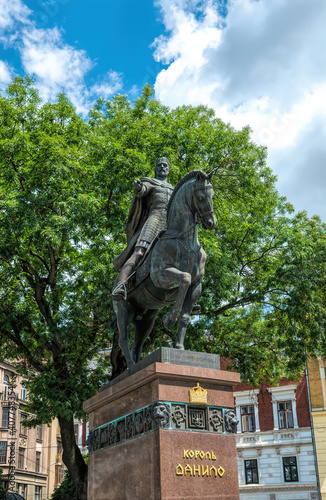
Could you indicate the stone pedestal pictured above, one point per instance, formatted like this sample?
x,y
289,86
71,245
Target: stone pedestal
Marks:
x,y
149,441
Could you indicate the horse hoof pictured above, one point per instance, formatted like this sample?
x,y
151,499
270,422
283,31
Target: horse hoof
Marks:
x,y
179,346
168,320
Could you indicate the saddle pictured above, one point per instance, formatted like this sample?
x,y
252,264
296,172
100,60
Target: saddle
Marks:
x,y
144,268
142,273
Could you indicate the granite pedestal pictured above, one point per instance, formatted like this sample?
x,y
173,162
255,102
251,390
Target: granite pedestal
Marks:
x,y
148,441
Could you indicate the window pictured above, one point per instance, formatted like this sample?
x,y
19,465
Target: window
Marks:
x,y
246,404
38,492
290,469
247,418
59,448
284,406
22,429
3,452
39,433
285,416
21,458
21,489
59,452
58,474
5,417
23,393
76,432
251,470
5,387
38,461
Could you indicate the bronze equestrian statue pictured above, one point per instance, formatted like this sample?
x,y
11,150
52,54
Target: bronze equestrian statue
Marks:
x,y
173,266
147,217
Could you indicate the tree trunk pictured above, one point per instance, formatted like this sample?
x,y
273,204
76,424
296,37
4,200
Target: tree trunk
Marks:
x,y
72,457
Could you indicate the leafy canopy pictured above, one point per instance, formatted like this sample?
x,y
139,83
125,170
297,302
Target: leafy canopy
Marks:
x,y
65,190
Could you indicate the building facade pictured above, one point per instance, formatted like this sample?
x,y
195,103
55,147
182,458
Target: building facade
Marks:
x,y
274,442
316,368
36,451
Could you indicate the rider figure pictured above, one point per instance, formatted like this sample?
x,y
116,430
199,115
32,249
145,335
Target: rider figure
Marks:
x,y
147,218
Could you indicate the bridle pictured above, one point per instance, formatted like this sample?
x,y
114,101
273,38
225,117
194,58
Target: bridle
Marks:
x,y
208,212
200,215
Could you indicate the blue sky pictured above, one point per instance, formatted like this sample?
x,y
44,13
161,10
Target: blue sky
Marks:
x,y
117,34
255,62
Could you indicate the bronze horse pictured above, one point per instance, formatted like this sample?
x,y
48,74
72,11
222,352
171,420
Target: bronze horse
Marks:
x,y
175,266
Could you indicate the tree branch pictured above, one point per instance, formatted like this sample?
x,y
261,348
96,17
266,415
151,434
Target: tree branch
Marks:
x,y
41,259
17,172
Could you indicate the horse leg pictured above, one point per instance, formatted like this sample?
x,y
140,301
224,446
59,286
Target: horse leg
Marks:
x,y
143,328
173,278
125,315
191,297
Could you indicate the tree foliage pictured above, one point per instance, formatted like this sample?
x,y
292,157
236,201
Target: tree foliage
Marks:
x,y
66,490
2,490
65,190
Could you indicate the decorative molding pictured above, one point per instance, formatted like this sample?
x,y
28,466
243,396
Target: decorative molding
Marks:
x,y
163,415
245,489
283,392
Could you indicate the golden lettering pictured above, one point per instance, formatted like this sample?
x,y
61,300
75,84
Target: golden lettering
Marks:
x,y
208,455
220,471
204,472
185,453
179,470
188,469
197,470
214,469
202,455
191,454
213,456
197,452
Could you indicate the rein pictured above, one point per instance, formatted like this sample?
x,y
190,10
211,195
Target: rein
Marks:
x,y
209,212
179,234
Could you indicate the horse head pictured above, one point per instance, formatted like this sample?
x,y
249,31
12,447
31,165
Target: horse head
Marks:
x,y
203,193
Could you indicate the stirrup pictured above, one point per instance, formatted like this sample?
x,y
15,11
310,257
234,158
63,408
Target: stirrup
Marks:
x,y
120,292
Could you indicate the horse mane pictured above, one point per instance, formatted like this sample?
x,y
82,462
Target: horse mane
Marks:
x,y
182,181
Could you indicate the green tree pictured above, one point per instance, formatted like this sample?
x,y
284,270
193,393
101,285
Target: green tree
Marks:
x,y
263,295
2,490
65,190
53,287
66,490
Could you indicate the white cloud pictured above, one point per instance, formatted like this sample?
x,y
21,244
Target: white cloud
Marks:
x,y
108,85
263,67
5,74
12,13
55,65
301,168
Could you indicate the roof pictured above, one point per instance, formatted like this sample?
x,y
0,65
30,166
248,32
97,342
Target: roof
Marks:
x,y
14,496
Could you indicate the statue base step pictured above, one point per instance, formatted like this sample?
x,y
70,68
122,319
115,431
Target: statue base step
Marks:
x,y
149,440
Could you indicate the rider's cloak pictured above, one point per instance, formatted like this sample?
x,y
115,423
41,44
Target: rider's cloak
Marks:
x,y
138,214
